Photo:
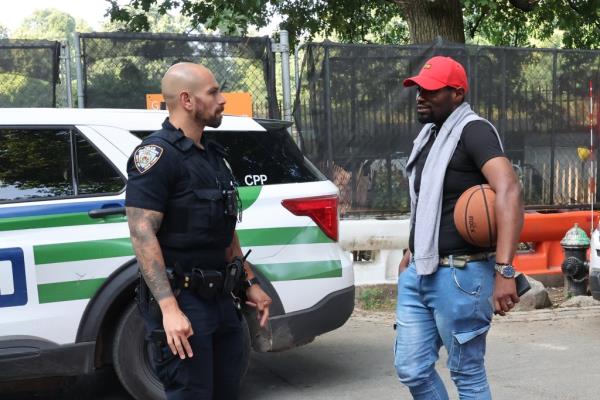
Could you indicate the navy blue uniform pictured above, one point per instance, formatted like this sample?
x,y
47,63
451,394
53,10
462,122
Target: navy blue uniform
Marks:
x,y
169,174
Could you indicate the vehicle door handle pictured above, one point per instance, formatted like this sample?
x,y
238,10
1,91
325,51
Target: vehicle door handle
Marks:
x,y
105,212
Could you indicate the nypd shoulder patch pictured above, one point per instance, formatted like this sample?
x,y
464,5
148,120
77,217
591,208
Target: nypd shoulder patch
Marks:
x,y
145,157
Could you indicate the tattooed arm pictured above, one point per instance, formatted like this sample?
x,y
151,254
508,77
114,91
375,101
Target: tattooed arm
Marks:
x,y
143,225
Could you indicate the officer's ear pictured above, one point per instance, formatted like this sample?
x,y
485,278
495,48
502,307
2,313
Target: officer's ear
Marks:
x,y
185,100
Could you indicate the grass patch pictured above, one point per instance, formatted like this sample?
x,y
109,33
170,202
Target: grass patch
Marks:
x,y
376,298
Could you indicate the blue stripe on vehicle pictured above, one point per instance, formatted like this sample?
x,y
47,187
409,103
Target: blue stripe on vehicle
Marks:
x,y
49,209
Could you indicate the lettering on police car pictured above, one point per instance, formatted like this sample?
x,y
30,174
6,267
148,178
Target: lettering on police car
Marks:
x,y
13,283
146,156
252,180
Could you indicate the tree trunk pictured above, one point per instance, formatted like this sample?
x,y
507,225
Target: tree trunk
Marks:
x,y
428,19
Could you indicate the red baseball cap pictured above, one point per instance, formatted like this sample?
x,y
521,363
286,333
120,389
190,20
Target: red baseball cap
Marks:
x,y
439,72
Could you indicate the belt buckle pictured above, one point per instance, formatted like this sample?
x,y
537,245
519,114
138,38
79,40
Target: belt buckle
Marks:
x,y
459,261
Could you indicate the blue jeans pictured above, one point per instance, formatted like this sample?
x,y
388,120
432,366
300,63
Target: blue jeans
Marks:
x,y
452,307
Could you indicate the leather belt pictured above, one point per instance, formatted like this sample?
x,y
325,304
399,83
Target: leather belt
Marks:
x,y
462,260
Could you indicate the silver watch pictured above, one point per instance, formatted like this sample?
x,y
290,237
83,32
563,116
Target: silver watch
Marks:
x,y
506,270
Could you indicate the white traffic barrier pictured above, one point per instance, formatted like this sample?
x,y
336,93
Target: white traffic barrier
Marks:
x,y
385,241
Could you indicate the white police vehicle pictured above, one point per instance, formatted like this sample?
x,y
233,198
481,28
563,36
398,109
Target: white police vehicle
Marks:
x,y
67,270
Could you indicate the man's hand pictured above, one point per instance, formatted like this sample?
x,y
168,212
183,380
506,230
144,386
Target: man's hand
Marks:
x,y
505,294
404,262
177,328
258,299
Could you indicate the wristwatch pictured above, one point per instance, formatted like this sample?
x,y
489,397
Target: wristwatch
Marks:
x,y
506,270
251,282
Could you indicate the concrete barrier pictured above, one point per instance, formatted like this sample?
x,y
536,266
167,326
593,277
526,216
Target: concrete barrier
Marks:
x,y
384,240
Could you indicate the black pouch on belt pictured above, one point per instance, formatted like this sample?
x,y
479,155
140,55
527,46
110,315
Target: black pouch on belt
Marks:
x,y
234,273
207,284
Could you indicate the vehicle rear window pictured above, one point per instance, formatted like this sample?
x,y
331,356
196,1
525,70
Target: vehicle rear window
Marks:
x,y
263,158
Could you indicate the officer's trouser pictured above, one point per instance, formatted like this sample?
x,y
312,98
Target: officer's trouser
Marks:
x,y
214,370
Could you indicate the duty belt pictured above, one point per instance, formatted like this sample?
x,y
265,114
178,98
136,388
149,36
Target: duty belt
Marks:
x,y
462,260
209,283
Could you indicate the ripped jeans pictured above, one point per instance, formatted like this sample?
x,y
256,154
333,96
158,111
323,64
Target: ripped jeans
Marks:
x,y
451,307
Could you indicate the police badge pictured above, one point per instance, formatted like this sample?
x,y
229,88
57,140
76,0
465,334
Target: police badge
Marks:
x,y
146,156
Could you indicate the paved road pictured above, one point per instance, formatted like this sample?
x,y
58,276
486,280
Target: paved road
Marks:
x,y
539,355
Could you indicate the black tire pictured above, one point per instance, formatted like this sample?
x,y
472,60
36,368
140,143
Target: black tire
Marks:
x,y
246,347
131,358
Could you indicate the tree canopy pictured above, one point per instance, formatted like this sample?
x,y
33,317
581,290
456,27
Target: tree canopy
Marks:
x,y
50,24
498,22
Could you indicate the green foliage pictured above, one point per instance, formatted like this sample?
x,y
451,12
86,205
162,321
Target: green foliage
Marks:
x,y
50,24
497,22
378,298
349,20
500,23
157,23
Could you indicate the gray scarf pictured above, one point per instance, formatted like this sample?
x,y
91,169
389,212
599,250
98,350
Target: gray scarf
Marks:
x,y
428,209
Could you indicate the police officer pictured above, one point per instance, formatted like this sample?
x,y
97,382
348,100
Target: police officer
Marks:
x,y
182,221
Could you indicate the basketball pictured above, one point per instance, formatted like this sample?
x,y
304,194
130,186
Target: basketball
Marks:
x,y
474,216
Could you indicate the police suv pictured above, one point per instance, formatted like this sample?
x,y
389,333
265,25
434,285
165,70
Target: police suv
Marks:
x,y
67,268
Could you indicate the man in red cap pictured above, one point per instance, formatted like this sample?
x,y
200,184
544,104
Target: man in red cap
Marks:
x,y
449,288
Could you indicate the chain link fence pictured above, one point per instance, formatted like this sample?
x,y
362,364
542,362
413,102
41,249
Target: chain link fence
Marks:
x,y
29,73
357,122
119,69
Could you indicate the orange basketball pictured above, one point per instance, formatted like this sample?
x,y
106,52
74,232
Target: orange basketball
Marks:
x,y
474,216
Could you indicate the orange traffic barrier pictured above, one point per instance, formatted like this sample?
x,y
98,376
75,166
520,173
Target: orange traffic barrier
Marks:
x,y
545,231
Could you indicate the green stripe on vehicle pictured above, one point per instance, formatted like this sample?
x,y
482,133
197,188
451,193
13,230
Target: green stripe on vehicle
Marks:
x,y
54,221
66,291
77,251
85,289
95,249
248,195
282,236
301,270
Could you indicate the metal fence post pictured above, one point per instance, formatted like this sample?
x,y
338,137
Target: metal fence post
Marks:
x,y
297,66
79,68
503,106
68,81
553,125
327,104
284,48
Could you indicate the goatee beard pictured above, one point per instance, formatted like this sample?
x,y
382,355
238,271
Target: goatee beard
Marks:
x,y
215,122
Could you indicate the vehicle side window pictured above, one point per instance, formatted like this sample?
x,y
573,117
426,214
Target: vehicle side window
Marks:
x,y
35,163
95,175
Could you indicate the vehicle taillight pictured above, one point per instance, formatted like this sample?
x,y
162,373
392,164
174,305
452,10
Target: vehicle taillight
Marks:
x,y
323,210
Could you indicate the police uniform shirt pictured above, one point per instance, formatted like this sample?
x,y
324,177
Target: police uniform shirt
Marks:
x,y
158,178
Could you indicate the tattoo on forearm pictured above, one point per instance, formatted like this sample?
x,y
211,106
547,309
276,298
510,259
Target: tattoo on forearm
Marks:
x,y
143,226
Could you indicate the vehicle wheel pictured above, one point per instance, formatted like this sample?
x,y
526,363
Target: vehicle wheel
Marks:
x,y
132,358
246,347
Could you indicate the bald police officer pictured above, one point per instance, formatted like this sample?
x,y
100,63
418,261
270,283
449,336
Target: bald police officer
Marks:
x,y
181,211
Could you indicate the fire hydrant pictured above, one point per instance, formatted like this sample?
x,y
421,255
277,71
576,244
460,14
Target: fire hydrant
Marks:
x,y
575,267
